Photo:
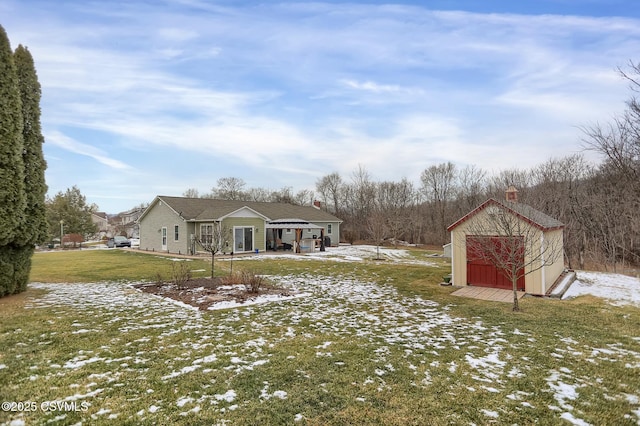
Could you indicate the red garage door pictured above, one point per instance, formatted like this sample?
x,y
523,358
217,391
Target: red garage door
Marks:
x,y
481,271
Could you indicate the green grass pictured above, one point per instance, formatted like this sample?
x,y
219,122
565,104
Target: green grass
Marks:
x,y
379,355
105,265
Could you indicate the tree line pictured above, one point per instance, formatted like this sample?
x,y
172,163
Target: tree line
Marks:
x,y
597,203
22,166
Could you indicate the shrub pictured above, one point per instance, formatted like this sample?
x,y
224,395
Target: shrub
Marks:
x,y
180,274
251,281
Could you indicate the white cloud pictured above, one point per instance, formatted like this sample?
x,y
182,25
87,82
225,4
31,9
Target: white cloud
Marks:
x,y
62,141
372,86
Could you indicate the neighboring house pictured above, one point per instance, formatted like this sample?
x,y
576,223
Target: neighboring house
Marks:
x,y
126,223
101,221
173,224
467,270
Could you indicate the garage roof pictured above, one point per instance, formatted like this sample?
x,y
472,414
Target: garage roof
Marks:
x,y
535,217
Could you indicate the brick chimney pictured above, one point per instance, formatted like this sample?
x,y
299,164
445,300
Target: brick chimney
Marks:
x,y
512,194
316,204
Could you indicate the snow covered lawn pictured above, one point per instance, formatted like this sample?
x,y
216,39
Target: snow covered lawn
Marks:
x,y
352,351
351,253
619,289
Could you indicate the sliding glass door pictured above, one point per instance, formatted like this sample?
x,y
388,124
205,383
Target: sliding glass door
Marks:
x,y
242,239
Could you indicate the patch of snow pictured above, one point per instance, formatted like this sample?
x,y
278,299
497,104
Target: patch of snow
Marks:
x,y
184,370
100,412
490,366
228,396
577,422
81,396
632,399
490,413
618,288
206,359
346,253
562,391
267,298
280,394
182,401
78,363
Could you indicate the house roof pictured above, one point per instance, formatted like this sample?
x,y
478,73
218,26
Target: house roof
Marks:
x,y
535,217
202,209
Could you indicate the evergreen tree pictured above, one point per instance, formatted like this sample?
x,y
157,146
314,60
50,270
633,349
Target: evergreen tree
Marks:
x,y
70,207
33,157
12,194
33,229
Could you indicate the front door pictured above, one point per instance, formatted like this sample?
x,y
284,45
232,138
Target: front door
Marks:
x,y
164,238
242,239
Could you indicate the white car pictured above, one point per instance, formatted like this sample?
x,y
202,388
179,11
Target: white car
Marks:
x,y
135,242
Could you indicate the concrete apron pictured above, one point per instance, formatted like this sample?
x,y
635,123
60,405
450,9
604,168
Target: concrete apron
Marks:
x,y
486,293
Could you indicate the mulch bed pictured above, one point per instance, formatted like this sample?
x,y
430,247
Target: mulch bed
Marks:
x,y
203,293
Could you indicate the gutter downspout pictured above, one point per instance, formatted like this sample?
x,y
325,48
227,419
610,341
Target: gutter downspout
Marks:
x,y
542,266
453,263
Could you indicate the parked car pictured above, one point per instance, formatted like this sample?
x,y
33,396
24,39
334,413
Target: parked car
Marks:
x,y
135,242
118,241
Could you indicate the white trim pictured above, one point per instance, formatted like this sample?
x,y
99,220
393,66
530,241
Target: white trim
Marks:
x,y
233,214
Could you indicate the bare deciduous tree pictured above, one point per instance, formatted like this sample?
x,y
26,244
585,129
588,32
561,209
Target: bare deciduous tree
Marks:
x,y
213,238
438,187
377,229
191,193
330,188
229,188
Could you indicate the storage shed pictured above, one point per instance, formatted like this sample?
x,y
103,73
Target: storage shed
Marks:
x,y
538,233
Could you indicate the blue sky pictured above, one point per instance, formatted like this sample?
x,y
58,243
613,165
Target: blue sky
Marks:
x,y
142,98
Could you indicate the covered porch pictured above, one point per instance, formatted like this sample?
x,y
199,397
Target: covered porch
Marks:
x,y
297,235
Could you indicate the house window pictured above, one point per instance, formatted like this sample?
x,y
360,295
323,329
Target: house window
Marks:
x,y
288,230
176,233
206,234
328,228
